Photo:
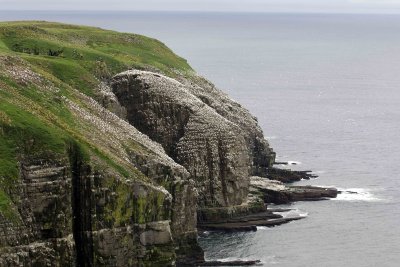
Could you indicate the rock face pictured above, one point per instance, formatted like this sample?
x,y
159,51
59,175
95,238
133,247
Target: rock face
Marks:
x,y
213,137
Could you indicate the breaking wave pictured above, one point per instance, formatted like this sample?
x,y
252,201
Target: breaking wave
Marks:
x,y
295,213
356,194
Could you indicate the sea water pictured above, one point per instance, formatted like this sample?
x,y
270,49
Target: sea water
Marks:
x,y
326,91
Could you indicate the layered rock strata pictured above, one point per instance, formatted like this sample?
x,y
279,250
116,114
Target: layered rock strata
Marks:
x,y
72,214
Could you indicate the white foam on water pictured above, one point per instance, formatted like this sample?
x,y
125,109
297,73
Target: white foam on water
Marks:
x,y
239,259
292,162
356,194
230,259
296,213
263,228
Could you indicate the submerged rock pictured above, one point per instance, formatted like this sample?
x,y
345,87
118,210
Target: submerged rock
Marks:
x,y
247,222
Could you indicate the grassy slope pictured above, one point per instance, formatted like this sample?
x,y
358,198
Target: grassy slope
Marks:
x,y
51,61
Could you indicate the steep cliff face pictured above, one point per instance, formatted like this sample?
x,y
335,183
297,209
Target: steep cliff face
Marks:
x,y
217,140
79,186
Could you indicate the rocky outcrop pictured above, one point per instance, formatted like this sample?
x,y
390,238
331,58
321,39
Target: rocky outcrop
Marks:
x,y
213,137
288,176
278,193
247,222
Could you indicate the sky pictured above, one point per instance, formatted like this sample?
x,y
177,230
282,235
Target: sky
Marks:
x,y
345,6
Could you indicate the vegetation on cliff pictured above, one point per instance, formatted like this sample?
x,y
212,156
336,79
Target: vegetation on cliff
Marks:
x,y
42,63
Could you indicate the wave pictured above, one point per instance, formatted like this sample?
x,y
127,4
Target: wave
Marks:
x,y
237,259
295,213
292,162
356,194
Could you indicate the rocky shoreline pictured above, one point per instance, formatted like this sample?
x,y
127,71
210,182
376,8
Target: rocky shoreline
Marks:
x,y
271,192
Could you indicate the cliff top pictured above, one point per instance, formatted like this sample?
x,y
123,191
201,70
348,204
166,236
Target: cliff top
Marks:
x,y
86,50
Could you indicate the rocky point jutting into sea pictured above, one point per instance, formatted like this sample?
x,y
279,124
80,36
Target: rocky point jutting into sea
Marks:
x,y
114,153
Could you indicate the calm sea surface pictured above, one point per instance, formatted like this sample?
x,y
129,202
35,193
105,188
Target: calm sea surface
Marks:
x,y
326,90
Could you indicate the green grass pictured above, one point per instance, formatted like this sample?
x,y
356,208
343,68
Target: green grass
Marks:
x,y
86,46
34,120
67,71
6,207
3,46
23,133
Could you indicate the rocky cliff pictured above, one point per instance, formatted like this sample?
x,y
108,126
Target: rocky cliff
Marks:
x,y
79,186
112,150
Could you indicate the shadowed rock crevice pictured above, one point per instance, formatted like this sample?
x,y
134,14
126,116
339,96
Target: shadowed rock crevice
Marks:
x,y
81,207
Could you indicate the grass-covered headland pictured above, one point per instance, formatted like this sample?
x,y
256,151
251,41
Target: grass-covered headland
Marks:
x,y
47,72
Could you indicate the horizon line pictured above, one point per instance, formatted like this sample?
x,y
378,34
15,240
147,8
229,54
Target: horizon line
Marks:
x,y
337,12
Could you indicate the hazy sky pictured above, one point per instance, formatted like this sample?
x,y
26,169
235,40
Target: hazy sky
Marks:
x,y
374,6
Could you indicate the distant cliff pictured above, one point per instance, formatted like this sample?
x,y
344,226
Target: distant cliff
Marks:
x,y
112,149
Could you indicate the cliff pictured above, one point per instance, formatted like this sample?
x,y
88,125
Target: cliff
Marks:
x,y
112,150
79,185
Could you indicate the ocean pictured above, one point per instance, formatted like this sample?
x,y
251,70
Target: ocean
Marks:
x,y
326,91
